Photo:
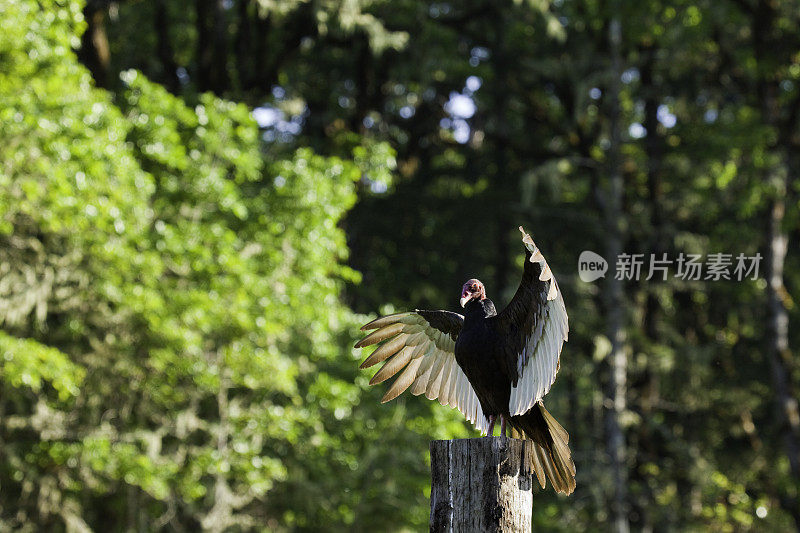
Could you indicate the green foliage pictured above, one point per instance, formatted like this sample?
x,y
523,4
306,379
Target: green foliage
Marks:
x,y
342,18
183,294
27,363
179,288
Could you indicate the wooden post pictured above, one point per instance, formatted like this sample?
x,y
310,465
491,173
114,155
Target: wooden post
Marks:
x,y
481,485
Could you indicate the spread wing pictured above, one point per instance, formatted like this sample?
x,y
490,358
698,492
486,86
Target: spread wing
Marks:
x,y
421,344
535,327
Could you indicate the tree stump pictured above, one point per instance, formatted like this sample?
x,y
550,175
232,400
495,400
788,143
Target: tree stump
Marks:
x,y
481,485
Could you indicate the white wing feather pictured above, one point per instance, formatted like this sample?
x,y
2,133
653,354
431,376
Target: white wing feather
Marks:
x,y
538,363
427,359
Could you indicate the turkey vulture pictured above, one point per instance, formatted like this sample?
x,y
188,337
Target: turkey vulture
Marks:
x,y
487,364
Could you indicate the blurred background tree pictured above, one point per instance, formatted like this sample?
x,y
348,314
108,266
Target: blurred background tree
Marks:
x,y
198,200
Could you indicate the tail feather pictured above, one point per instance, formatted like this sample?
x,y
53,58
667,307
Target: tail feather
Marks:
x,y
551,458
537,463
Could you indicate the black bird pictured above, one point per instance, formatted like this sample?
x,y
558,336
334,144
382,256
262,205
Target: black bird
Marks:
x,y
487,364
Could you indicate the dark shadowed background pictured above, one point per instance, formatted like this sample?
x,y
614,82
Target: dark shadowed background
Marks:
x,y
200,202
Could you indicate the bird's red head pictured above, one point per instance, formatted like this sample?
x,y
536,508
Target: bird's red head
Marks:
x,y
472,289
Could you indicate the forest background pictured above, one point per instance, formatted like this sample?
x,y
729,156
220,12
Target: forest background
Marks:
x,y
200,202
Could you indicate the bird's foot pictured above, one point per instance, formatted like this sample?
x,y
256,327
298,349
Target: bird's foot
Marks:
x,y
502,426
492,419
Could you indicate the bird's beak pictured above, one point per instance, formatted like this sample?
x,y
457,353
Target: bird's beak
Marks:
x,y
465,299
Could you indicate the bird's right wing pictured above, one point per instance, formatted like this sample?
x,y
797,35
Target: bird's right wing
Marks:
x,y
422,344
534,326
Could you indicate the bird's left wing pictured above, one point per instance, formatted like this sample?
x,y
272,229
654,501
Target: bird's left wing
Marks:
x,y
422,345
534,326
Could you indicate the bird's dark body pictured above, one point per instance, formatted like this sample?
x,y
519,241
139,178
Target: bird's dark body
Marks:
x,y
480,349
478,352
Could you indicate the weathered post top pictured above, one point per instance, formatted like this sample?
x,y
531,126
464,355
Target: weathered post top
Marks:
x,y
481,484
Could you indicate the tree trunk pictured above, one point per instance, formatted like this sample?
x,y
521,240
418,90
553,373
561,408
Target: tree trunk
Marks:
x,y
618,364
212,46
94,52
764,22
778,350
647,387
481,484
161,24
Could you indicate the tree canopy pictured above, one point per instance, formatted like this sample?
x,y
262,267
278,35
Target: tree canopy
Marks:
x,y
200,204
